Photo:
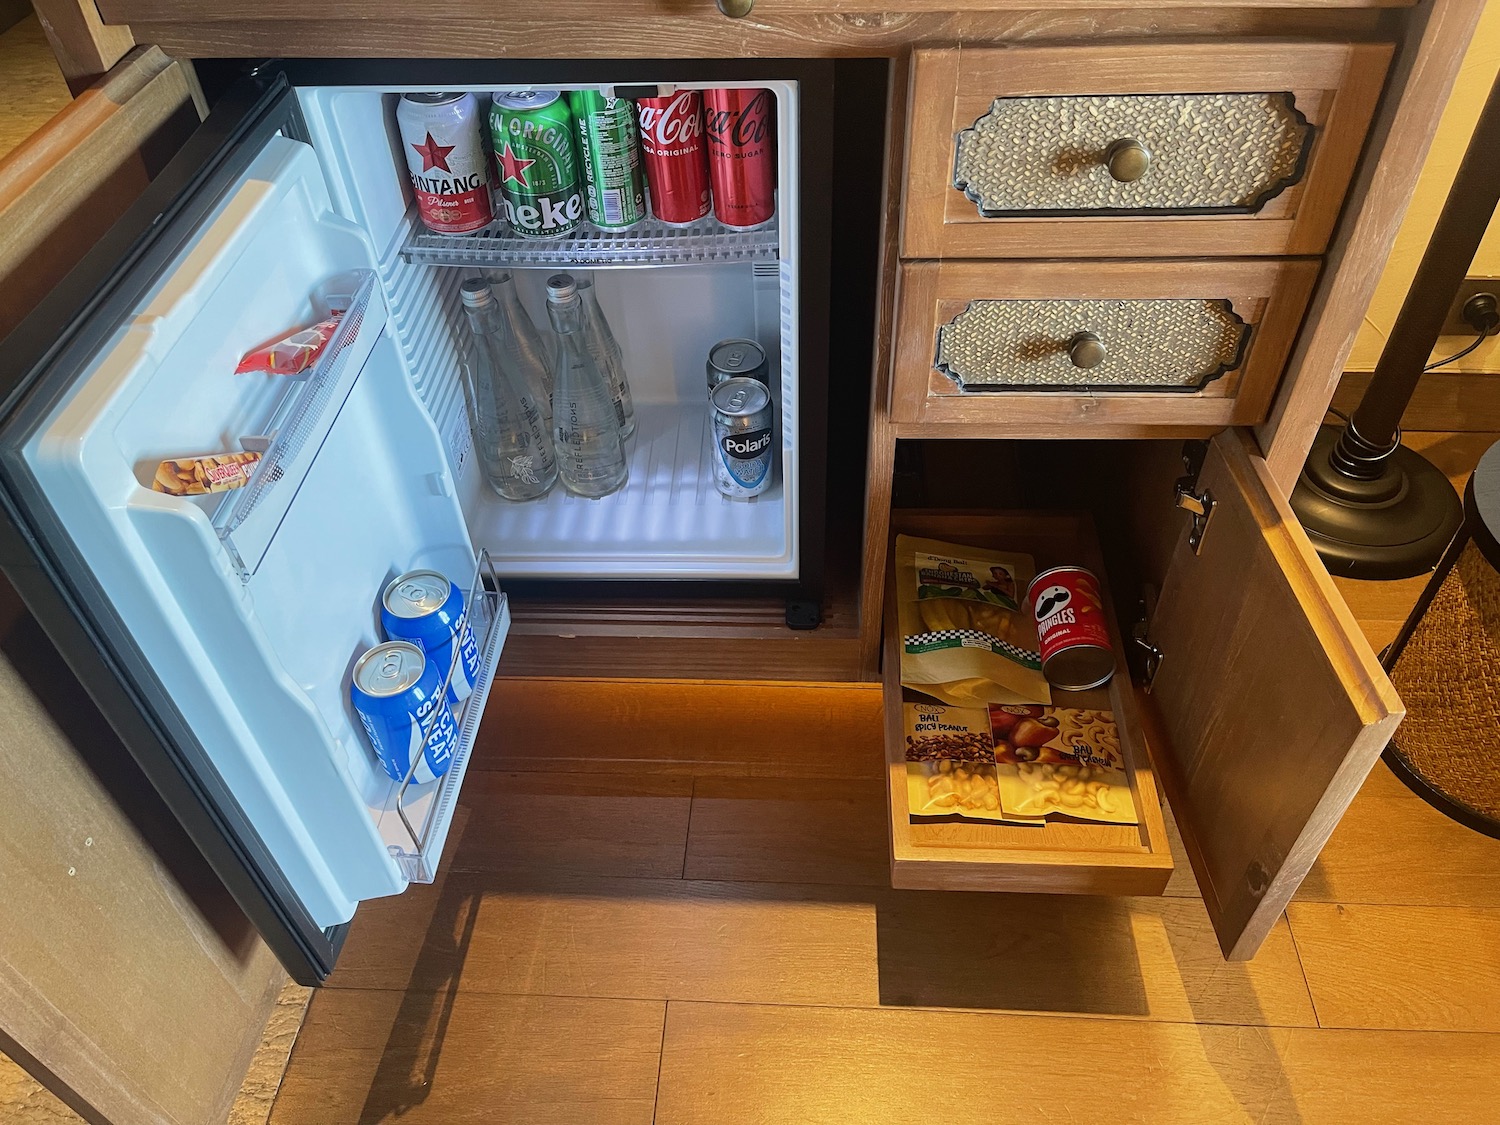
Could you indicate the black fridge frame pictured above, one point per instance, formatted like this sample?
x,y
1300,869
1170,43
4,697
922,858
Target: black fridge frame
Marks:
x,y
74,320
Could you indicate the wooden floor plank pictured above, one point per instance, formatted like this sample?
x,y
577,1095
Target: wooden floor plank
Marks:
x,y
825,945
1416,968
790,830
1399,850
743,1064
580,823
683,727
446,1058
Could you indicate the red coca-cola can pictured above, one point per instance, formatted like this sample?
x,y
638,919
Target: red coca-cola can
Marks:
x,y
741,128
1071,629
676,156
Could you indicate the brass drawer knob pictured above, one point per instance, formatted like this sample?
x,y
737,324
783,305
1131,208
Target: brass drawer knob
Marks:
x,y
735,9
1127,160
1086,350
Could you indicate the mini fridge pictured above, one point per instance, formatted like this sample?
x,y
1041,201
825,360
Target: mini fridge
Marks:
x,y
218,633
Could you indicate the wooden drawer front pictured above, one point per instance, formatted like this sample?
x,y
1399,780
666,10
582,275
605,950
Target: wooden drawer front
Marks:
x,y
1052,344
1134,149
1063,857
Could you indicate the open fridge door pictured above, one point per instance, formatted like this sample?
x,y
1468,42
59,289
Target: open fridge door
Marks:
x,y
231,621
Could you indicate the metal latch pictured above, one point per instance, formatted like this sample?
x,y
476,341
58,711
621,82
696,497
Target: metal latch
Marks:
x,y
1199,503
1148,657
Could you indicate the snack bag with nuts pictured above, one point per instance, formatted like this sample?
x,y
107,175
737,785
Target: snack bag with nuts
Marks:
x,y
965,636
950,764
198,476
1061,760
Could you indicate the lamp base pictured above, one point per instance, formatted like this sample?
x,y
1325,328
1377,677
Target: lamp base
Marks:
x,y
1395,525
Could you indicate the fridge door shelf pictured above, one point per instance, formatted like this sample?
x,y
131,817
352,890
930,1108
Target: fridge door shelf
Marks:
x,y
650,242
423,813
246,519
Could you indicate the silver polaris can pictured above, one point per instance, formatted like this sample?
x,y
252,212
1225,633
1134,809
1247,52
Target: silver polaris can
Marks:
x,y
737,359
744,438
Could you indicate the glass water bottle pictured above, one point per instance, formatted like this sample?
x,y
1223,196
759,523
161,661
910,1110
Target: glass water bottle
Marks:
x,y
527,345
590,450
607,355
511,428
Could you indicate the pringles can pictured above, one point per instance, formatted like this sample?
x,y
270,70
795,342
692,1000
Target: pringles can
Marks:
x,y
423,607
398,696
1071,629
743,438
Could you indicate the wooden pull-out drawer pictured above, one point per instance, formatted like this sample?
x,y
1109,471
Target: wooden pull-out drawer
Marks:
x,y
1264,713
1135,149
1037,347
1070,857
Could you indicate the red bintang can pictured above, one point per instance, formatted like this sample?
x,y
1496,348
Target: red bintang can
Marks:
x,y
1071,628
447,161
676,156
741,128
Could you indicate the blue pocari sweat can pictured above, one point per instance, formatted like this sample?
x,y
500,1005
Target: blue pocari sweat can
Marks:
x,y
397,692
743,430
426,609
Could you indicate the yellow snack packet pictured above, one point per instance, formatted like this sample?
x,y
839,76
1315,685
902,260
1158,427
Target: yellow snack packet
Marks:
x,y
1078,771
965,636
950,764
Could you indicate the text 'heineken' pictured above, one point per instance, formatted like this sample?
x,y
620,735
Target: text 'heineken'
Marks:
x,y
532,132
445,157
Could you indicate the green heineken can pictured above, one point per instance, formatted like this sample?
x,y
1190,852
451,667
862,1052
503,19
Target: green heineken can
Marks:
x,y
532,132
611,156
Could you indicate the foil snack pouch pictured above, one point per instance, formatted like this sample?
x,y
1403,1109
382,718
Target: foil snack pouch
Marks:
x,y
966,637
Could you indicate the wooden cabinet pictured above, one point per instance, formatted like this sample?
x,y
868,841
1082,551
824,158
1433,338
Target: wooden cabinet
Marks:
x,y
1030,348
1134,149
1261,711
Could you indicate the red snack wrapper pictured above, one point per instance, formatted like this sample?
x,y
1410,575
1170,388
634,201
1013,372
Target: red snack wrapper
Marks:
x,y
293,355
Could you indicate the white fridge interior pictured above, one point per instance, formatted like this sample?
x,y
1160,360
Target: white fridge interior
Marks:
x,y
669,295
252,606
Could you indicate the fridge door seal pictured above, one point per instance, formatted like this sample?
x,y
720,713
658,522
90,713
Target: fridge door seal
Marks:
x,y
36,363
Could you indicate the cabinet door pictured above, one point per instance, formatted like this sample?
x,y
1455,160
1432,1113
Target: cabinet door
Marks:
x,y
1271,706
1134,149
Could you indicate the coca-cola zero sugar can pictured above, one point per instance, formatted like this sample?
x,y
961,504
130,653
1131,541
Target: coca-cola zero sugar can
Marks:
x,y
447,161
741,129
676,156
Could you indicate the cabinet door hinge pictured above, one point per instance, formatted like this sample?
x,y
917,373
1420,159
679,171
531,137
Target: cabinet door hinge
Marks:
x,y
1147,657
1198,503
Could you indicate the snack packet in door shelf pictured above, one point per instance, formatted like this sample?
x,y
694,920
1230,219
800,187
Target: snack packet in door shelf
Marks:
x,y
198,476
1061,760
950,764
966,638
294,354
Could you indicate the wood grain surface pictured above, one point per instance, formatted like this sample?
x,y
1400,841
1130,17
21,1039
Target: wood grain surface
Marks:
x,y
1272,705
1335,85
1406,968
693,29
828,1067
445,1058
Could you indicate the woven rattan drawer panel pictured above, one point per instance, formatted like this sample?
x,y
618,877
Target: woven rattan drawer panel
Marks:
x,y
1143,149
1164,345
1040,347
1208,153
